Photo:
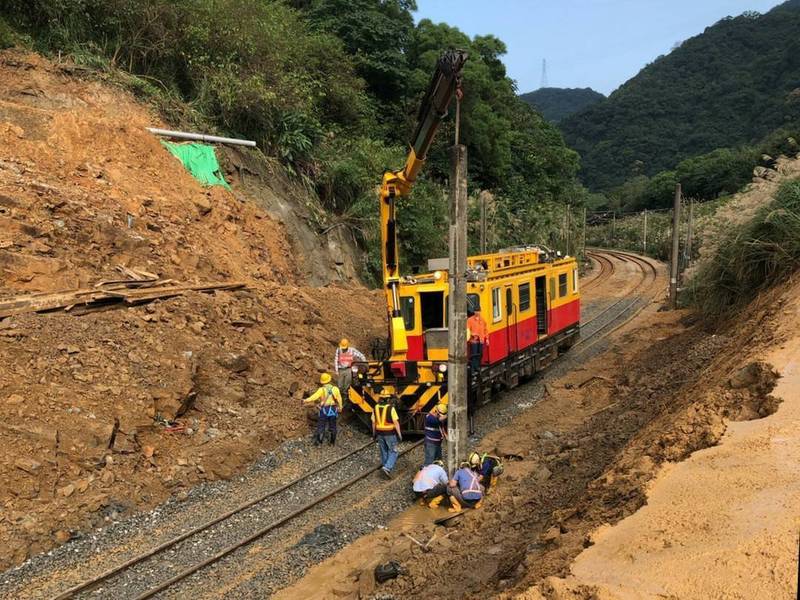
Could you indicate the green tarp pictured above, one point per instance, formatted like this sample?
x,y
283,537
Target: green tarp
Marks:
x,y
200,161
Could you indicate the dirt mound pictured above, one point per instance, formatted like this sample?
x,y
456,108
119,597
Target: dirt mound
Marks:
x,y
87,402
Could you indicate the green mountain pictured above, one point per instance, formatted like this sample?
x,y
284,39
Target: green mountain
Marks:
x,y
556,104
733,84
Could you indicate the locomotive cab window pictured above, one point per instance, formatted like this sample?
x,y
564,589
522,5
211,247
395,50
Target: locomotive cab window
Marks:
x,y
431,309
473,302
552,288
575,281
524,297
562,285
407,310
497,305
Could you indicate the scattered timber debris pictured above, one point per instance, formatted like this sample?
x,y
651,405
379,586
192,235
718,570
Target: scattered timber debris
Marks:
x,y
138,287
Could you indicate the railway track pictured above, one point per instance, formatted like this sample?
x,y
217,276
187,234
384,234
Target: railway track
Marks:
x,y
255,518
606,270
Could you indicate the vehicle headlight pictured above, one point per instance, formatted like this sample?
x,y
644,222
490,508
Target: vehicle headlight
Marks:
x,y
443,368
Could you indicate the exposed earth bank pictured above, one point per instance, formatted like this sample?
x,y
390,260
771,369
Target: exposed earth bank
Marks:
x,y
86,399
588,454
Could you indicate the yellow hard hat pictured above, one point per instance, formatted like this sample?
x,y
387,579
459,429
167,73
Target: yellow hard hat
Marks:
x,y
475,459
345,343
325,378
442,408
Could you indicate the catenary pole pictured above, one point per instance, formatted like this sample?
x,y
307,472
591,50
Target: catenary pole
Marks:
x,y
644,233
673,265
457,419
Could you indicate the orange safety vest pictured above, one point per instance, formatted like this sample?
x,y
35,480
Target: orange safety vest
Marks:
x,y
477,328
346,358
383,417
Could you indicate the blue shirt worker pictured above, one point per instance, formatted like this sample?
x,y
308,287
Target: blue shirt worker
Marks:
x,y
465,488
491,469
386,430
435,432
329,400
430,484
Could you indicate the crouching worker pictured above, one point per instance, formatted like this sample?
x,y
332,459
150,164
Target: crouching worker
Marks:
x,y
491,467
330,405
465,488
430,484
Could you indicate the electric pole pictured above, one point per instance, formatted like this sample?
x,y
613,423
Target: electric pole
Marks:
x,y
457,388
689,235
644,233
673,265
483,199
583,236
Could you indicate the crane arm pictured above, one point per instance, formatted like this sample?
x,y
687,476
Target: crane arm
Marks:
x,y
445,84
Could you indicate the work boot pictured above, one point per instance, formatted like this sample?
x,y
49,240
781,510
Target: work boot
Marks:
x,y
454,505
479,503
435,502
333,439
386,473
317,440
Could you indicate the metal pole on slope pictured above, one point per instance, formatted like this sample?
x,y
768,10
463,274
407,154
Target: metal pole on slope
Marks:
x,y
673,265
457,387
583,236
689,234
482,198
644,233
613,227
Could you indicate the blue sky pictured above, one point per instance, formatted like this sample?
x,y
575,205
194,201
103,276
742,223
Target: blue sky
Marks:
x,y
587,43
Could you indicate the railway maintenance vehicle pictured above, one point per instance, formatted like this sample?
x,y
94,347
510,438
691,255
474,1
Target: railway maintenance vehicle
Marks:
x,y
527,295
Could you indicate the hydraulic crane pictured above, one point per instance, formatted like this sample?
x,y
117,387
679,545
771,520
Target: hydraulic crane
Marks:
x,y
445,83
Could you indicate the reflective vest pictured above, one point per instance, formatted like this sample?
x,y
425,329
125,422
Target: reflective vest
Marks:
x,y
328,406
383,417
474,487
346,358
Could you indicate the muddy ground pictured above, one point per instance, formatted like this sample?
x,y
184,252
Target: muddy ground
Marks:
x,y
580,459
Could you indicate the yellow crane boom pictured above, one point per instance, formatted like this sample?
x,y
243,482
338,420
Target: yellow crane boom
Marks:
x,y
445,84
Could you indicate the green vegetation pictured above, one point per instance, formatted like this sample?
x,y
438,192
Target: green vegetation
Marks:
x,y
730,86
331,89
556,104
751,258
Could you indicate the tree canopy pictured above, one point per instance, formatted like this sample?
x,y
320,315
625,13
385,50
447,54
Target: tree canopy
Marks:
x,y
556,104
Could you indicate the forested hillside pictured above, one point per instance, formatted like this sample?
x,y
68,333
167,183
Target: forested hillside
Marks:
x,y
556,104
328,87
732,85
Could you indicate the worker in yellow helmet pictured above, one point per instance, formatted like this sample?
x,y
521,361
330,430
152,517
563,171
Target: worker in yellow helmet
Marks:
x,y
329,400
386,430
344,360
435,432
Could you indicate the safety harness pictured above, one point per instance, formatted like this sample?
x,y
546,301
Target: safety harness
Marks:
x,y
328,407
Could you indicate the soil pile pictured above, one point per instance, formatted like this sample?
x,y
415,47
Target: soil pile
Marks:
x,y
88,403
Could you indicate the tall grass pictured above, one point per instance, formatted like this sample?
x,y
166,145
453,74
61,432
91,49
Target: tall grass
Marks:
x,y
754,256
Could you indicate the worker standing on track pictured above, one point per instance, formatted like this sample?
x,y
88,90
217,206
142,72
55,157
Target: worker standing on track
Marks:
x,y
330,405
465,488
386,430
430,483
435,432
343,360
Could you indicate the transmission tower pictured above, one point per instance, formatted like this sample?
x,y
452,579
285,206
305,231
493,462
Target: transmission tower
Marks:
x,y
544,73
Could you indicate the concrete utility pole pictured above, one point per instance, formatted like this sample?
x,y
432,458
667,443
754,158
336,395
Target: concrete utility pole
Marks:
x,y
644,233
688,250
483,199
457,389
613,227
673,265
583,235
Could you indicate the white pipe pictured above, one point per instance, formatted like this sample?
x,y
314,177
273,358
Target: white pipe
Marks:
x,y
200,137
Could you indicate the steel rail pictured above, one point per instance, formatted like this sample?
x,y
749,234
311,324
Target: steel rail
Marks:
x,y
264,530
606,270
200,528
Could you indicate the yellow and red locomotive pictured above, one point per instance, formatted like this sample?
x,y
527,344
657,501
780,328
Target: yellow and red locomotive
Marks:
x,y
527,296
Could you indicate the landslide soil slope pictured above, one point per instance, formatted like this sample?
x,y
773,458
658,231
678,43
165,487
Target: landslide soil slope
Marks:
x,y
84,188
